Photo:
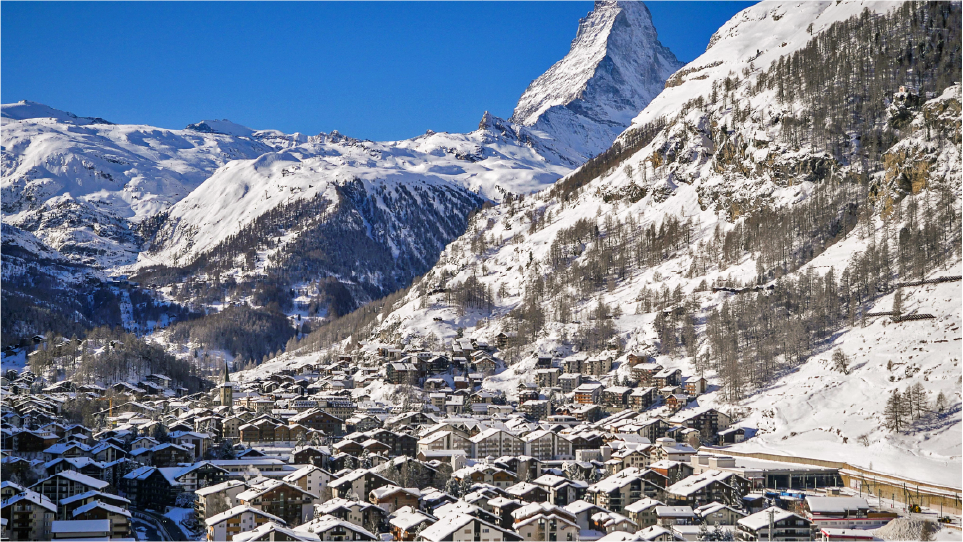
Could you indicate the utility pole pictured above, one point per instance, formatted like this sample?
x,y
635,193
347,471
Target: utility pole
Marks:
x,y
771,513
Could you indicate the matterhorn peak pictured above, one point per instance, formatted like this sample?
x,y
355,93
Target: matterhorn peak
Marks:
x,y
614,68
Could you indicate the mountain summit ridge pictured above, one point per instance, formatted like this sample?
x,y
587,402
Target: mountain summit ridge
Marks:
x,y
615,67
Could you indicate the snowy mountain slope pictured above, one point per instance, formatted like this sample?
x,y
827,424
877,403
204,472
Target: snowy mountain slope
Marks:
x,y
81,184
754,39
642,235
615,67
818,412
85,186
494,160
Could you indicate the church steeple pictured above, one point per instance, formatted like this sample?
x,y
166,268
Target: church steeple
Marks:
x,y
227,390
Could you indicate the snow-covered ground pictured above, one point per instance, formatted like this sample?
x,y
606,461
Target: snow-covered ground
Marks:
x,y
820,413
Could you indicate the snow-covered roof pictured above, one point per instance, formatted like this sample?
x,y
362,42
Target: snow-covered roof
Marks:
x,y
80,526
326,523
674,512
219,487
406,518
102,505
760,519
241,509
643,504
74,476
835,505
446,526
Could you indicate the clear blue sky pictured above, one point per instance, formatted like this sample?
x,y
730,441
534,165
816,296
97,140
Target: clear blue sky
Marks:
x,y
369,69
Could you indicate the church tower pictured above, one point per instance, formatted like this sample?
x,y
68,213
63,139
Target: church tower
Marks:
x,y
226,390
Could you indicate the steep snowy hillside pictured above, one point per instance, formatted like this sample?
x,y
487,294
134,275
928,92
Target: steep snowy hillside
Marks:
x,y
81,184
494,160
754,39
616,66
746,236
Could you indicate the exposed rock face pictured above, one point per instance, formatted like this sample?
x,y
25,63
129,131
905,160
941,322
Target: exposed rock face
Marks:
x,y
616,66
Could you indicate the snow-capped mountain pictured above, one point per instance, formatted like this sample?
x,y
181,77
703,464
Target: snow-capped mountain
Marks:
x,y
210,197
616,66
82,184
724,180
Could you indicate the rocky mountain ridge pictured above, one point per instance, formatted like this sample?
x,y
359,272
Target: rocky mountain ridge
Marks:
x,y
615,67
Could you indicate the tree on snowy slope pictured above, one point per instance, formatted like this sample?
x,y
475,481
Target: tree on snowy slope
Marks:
x,y
896,412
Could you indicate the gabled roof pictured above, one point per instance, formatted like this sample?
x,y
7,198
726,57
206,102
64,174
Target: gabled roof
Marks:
x,y
237,510
696,482
32,497
643,504
263,532
407,517
74,476
760,519
89,494
267,486
324,524
102,505
220,487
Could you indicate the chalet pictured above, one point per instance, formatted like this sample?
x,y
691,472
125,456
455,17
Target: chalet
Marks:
x,y
616,396
676,401
28,516
547,445
212,498
392,497
331,528
536,408
282,499
642,512
401,372
358,482
27,442
319,420
708,421
485,365
238,519
588,394
398,443
694,386
496,443
667,516
707,487
732,435
547,378
408,521
636,358
667,377
560,490
117,517
67,484
356,512
465,527
716,513
617,491
311,455
481,473
542,521
644,372
785,526
569,381
641,398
